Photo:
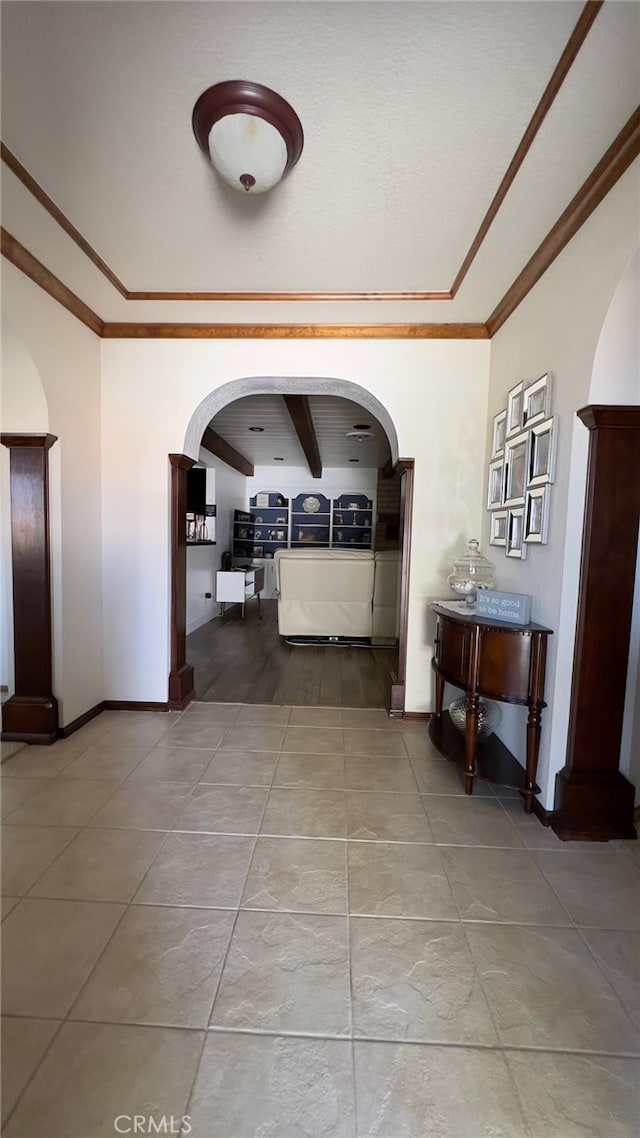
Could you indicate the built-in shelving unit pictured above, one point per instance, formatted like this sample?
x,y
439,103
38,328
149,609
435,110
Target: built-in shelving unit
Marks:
x,y
310,521
270,514
275,522
352,521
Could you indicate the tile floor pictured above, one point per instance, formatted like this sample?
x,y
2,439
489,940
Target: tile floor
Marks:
x,y
290,923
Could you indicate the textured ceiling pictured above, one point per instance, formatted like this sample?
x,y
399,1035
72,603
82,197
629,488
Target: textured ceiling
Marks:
x,y
412,113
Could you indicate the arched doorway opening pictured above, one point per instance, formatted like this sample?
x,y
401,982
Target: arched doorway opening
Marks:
x,y
181,680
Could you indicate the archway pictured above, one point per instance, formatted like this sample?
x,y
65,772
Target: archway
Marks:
x,y
181,678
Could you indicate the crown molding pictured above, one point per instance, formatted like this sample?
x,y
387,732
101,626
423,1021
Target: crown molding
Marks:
x,y
16,253
160,331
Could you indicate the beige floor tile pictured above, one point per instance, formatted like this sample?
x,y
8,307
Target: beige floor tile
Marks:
x,y
321,771
7,904
172,764
470,821
500,885
210,713
15,791
398,881
9,748
298,875
438,776
295,812
369,718
286,972
627,850
196,733
545,990
48,950
161,967
314,740
141,727
618,954
104,761
418,745
223,809
266,714
417,980
27,851
251,737
315,717
144,806
374,772
101,865
409,1091
24,1042
534,835
386,817
300,1088
42,762
385,744
198,869
95,1073
241,768
596,888
63,803
570,1096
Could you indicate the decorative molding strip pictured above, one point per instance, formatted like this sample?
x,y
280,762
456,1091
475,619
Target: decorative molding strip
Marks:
x,y
574,43
37,272
622,152
76,724
114,331
133,705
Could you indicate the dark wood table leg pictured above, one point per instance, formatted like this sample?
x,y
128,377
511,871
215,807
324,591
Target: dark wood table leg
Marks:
x,y
471,736
533,746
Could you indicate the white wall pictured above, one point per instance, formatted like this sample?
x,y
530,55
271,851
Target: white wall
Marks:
x,y
434,391
557,327
66,356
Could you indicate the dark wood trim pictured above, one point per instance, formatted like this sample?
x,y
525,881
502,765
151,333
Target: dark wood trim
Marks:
x,y
61,218
388,470
76,724
134,705
30,715
545,817
574,43
216,445
181,677
161,331
294,297
623,151
40,275
594,801
405,468
300,413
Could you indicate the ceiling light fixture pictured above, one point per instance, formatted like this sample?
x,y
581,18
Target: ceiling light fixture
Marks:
x,y
360,434
249,133
258,429
278,460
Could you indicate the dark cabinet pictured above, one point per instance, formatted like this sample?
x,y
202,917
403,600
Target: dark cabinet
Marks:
x,y
498,661
197,491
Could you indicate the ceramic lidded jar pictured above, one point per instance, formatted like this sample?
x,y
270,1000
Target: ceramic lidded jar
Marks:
x,y
471,571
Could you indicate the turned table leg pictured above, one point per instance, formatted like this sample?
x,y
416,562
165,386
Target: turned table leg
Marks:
x,y
471,736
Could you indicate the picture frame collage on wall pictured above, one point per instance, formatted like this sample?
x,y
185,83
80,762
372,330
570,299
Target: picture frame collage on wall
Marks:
x,y
522,467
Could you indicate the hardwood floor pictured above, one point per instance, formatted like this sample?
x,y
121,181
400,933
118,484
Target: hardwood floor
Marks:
x,y
240,660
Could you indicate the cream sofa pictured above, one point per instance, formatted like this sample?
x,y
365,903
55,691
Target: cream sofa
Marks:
x,y
336,593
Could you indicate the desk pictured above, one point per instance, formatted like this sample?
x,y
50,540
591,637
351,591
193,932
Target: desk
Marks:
x,y
501,661
238,586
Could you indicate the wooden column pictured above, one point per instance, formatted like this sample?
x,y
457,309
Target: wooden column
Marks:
x,y
405,468
593,799
181,689
30,715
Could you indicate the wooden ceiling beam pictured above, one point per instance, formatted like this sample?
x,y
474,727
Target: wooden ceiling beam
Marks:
x,y
223,450
300,412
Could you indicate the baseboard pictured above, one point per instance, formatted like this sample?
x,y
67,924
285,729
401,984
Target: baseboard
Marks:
x,y
133,705
76,724
424,715
544,816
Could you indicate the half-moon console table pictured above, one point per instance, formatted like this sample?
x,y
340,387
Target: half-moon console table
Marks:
x,y
500,661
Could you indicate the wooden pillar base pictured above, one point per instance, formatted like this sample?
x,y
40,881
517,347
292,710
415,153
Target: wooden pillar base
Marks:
x,y
30,719
592,806
181,689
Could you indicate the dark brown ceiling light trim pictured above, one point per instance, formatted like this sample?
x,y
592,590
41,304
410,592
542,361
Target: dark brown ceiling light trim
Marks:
x,y
116,331
574,43
300,412
52,209
36,271
217,446
623,151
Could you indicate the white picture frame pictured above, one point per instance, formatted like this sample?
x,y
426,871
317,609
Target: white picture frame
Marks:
x,y
498,435
498,528
536,515
515,544
495,484
515,410
516,469
542,453
537,400
262,500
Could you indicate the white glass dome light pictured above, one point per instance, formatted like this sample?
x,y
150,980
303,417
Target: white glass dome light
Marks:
x,y
249,133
